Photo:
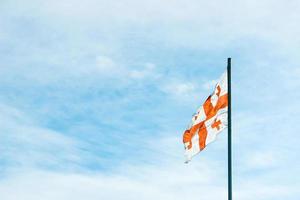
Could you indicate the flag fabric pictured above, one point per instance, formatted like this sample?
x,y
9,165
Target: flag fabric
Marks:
x,y
209,120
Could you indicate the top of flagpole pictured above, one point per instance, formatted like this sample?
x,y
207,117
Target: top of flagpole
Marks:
x,y
229,61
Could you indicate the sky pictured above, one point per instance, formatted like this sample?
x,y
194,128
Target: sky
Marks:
x,y
95,97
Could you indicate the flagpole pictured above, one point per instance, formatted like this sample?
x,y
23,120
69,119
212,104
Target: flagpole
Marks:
x,y
229,130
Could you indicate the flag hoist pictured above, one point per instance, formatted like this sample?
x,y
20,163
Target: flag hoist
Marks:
x,y
209,120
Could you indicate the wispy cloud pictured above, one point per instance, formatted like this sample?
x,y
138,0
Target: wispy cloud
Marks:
x,y
25,144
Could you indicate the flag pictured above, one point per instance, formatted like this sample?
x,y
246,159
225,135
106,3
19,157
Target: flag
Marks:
x,y
209,120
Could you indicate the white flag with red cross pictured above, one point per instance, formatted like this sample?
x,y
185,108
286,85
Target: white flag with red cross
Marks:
x,y
209,120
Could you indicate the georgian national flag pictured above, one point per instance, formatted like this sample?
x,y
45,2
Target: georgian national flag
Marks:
x,y
209,120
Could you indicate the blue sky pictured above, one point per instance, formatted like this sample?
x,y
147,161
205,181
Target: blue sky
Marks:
x,y
95,96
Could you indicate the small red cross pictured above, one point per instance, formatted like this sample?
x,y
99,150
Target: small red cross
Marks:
x,y
216,124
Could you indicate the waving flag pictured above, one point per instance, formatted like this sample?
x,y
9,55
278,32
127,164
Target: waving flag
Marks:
x,y
209,120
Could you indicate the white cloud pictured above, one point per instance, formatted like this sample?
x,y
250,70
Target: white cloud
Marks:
x,y
25,144
265,191
148,71
172,182
180,89
262,160
105,64
176,22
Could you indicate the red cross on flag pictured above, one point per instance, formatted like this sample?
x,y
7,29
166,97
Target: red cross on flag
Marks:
x,y
209,120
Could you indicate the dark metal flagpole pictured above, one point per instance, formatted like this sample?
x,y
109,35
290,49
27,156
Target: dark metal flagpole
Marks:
x,y
229,129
